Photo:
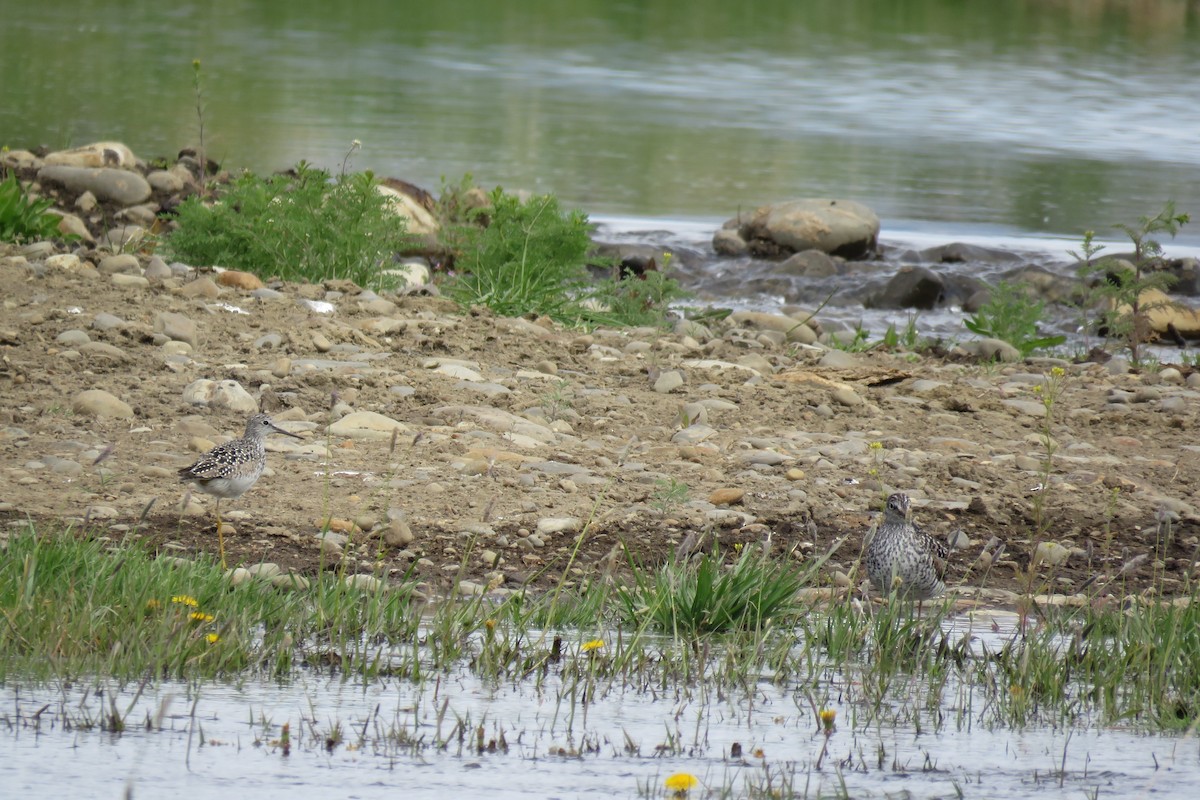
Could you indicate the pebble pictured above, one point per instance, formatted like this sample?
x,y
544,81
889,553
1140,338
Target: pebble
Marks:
x,y
72,338
157,269
366,425
178,327
551,525
122,262
268,341
668,381
726,497
130,281
107,322
240,280
291,580
1050,553
68,262
99,403
364,583
201,288
228,394
398,534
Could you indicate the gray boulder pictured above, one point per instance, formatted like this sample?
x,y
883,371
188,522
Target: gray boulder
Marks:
x,y
838,227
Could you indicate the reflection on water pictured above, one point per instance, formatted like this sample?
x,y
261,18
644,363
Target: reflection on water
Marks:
x,y
1031,116
348,740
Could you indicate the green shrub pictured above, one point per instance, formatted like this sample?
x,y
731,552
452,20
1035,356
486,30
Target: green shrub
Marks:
x,y
24,219
1012,314
530,258
298,227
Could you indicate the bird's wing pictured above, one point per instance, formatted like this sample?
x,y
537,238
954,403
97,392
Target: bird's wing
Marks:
x,y
213,464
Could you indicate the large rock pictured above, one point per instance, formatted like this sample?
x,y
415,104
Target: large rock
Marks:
x,y
97,154
911,287
412,203
116,185
1164,314
839,227
367,425
99,403
220,394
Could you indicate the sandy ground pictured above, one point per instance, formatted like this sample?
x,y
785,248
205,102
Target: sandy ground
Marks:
x,y
531,454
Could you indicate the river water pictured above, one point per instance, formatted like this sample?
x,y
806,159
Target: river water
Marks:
x,y
1015,123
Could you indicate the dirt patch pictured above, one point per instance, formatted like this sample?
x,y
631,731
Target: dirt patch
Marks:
x,y
601,445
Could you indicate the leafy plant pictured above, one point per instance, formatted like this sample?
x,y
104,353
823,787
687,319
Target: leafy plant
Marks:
x,y
23,218
669,494
1012,314
300,227
634,302
700,596
530,258
1126,282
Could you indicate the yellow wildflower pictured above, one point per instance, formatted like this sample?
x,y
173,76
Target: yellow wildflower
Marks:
x,y
200,616
681,782
594,644
876,445
1057,372
490,624
828,715
212,638
185,600
152,604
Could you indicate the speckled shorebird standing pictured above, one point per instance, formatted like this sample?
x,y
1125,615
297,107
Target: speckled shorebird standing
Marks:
x,y
230,469
902,557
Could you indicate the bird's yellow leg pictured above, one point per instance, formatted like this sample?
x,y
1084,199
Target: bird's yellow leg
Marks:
x,y
220,534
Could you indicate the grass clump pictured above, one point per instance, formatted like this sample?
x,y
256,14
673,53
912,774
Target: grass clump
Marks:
x,y
23,218
529,258
520,257
1012,315
302,226
72,606
691,598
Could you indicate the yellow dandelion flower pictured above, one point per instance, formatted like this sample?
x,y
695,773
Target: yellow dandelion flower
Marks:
x,y
185,600
490,624
828,716
212,638
681,782
594,644
200,616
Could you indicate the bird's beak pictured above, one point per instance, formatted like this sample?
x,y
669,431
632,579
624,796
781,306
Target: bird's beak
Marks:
x,y
278,429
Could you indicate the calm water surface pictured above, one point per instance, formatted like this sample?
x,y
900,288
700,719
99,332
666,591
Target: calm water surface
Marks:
x,y
1022,116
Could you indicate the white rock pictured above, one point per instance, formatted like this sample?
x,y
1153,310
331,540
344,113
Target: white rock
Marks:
x,y
221,394
366,425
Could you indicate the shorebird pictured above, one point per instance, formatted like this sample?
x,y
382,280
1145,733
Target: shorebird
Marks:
x,y
902,557
230,469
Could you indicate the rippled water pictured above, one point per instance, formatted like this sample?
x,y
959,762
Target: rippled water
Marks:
x,y
213,739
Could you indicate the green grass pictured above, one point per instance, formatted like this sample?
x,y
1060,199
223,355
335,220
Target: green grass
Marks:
x,y
520,257
303,227
22,218
701,596
74,607
71,606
